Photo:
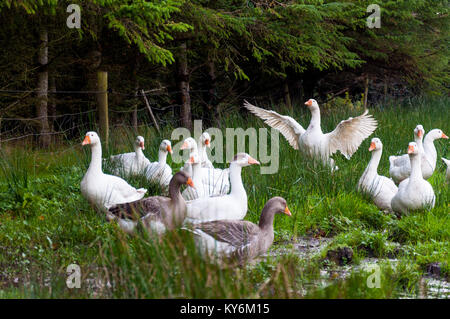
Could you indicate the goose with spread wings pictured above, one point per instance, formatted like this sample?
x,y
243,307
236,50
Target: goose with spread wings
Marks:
x,y
346,137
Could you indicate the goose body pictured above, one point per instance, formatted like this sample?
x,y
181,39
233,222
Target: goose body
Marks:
x,y
157,213
447,173
131,163
159,172
414,193
230,206
103,190
238,240
380,188
346,137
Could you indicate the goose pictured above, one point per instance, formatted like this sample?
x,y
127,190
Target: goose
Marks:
x,y
430,151
400,166
239,240
102,190
414,192
131,163
157,213
204,142
197,177
159,172
346,137
215,181
380,188
447,162
230,206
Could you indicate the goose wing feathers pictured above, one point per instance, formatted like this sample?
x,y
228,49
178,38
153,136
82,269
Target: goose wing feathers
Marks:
x,y
140,208
234,233
349,134
287,126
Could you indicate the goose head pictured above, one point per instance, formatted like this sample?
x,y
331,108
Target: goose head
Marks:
x,y
205,139
375,144
193,159
139,142
91,138
166,146
312,104
436,134
189,144
182,178
243,160
278,205
413,150
419,131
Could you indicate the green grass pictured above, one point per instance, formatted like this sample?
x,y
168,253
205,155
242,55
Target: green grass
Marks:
x,y
45,224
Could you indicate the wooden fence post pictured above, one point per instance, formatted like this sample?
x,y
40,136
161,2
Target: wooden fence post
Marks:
x,y
102,100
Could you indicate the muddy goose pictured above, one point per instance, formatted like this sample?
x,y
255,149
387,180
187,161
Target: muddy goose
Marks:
x,y
204,142
380,188
157,213
230,206
131,163
414,193
102,190
346,137
447,162
238,240
159,172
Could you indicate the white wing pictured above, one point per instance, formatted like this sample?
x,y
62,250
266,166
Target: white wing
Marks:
x,y
349,134
287,126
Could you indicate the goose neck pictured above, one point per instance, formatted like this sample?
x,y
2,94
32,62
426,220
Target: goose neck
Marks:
x,y
96,158
416,170
315,119
374,161
237,187
266,220
429,148
162,157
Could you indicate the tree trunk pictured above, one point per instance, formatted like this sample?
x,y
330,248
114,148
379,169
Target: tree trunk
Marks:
x,y
42,88
287,96
366,91
52,105
183,86
212,92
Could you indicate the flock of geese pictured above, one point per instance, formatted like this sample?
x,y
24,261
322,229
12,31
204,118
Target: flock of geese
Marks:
x,y
214,204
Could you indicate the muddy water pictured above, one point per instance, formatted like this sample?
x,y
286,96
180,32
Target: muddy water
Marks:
x,y
308,247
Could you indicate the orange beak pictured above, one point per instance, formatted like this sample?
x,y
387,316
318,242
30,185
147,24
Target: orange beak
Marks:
x,y
308,103
169,149
372,147
207,143
184,146
410,149
419,134
190,182
87,140
251,160
141,144
444,136
191,159
287,211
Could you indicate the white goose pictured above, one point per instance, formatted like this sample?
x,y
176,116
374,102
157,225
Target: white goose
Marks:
x,y
131,163
380,188
231,206
400,166
447,162
346,137
414,193
200,190
204,142
102,190
159,172
215,181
